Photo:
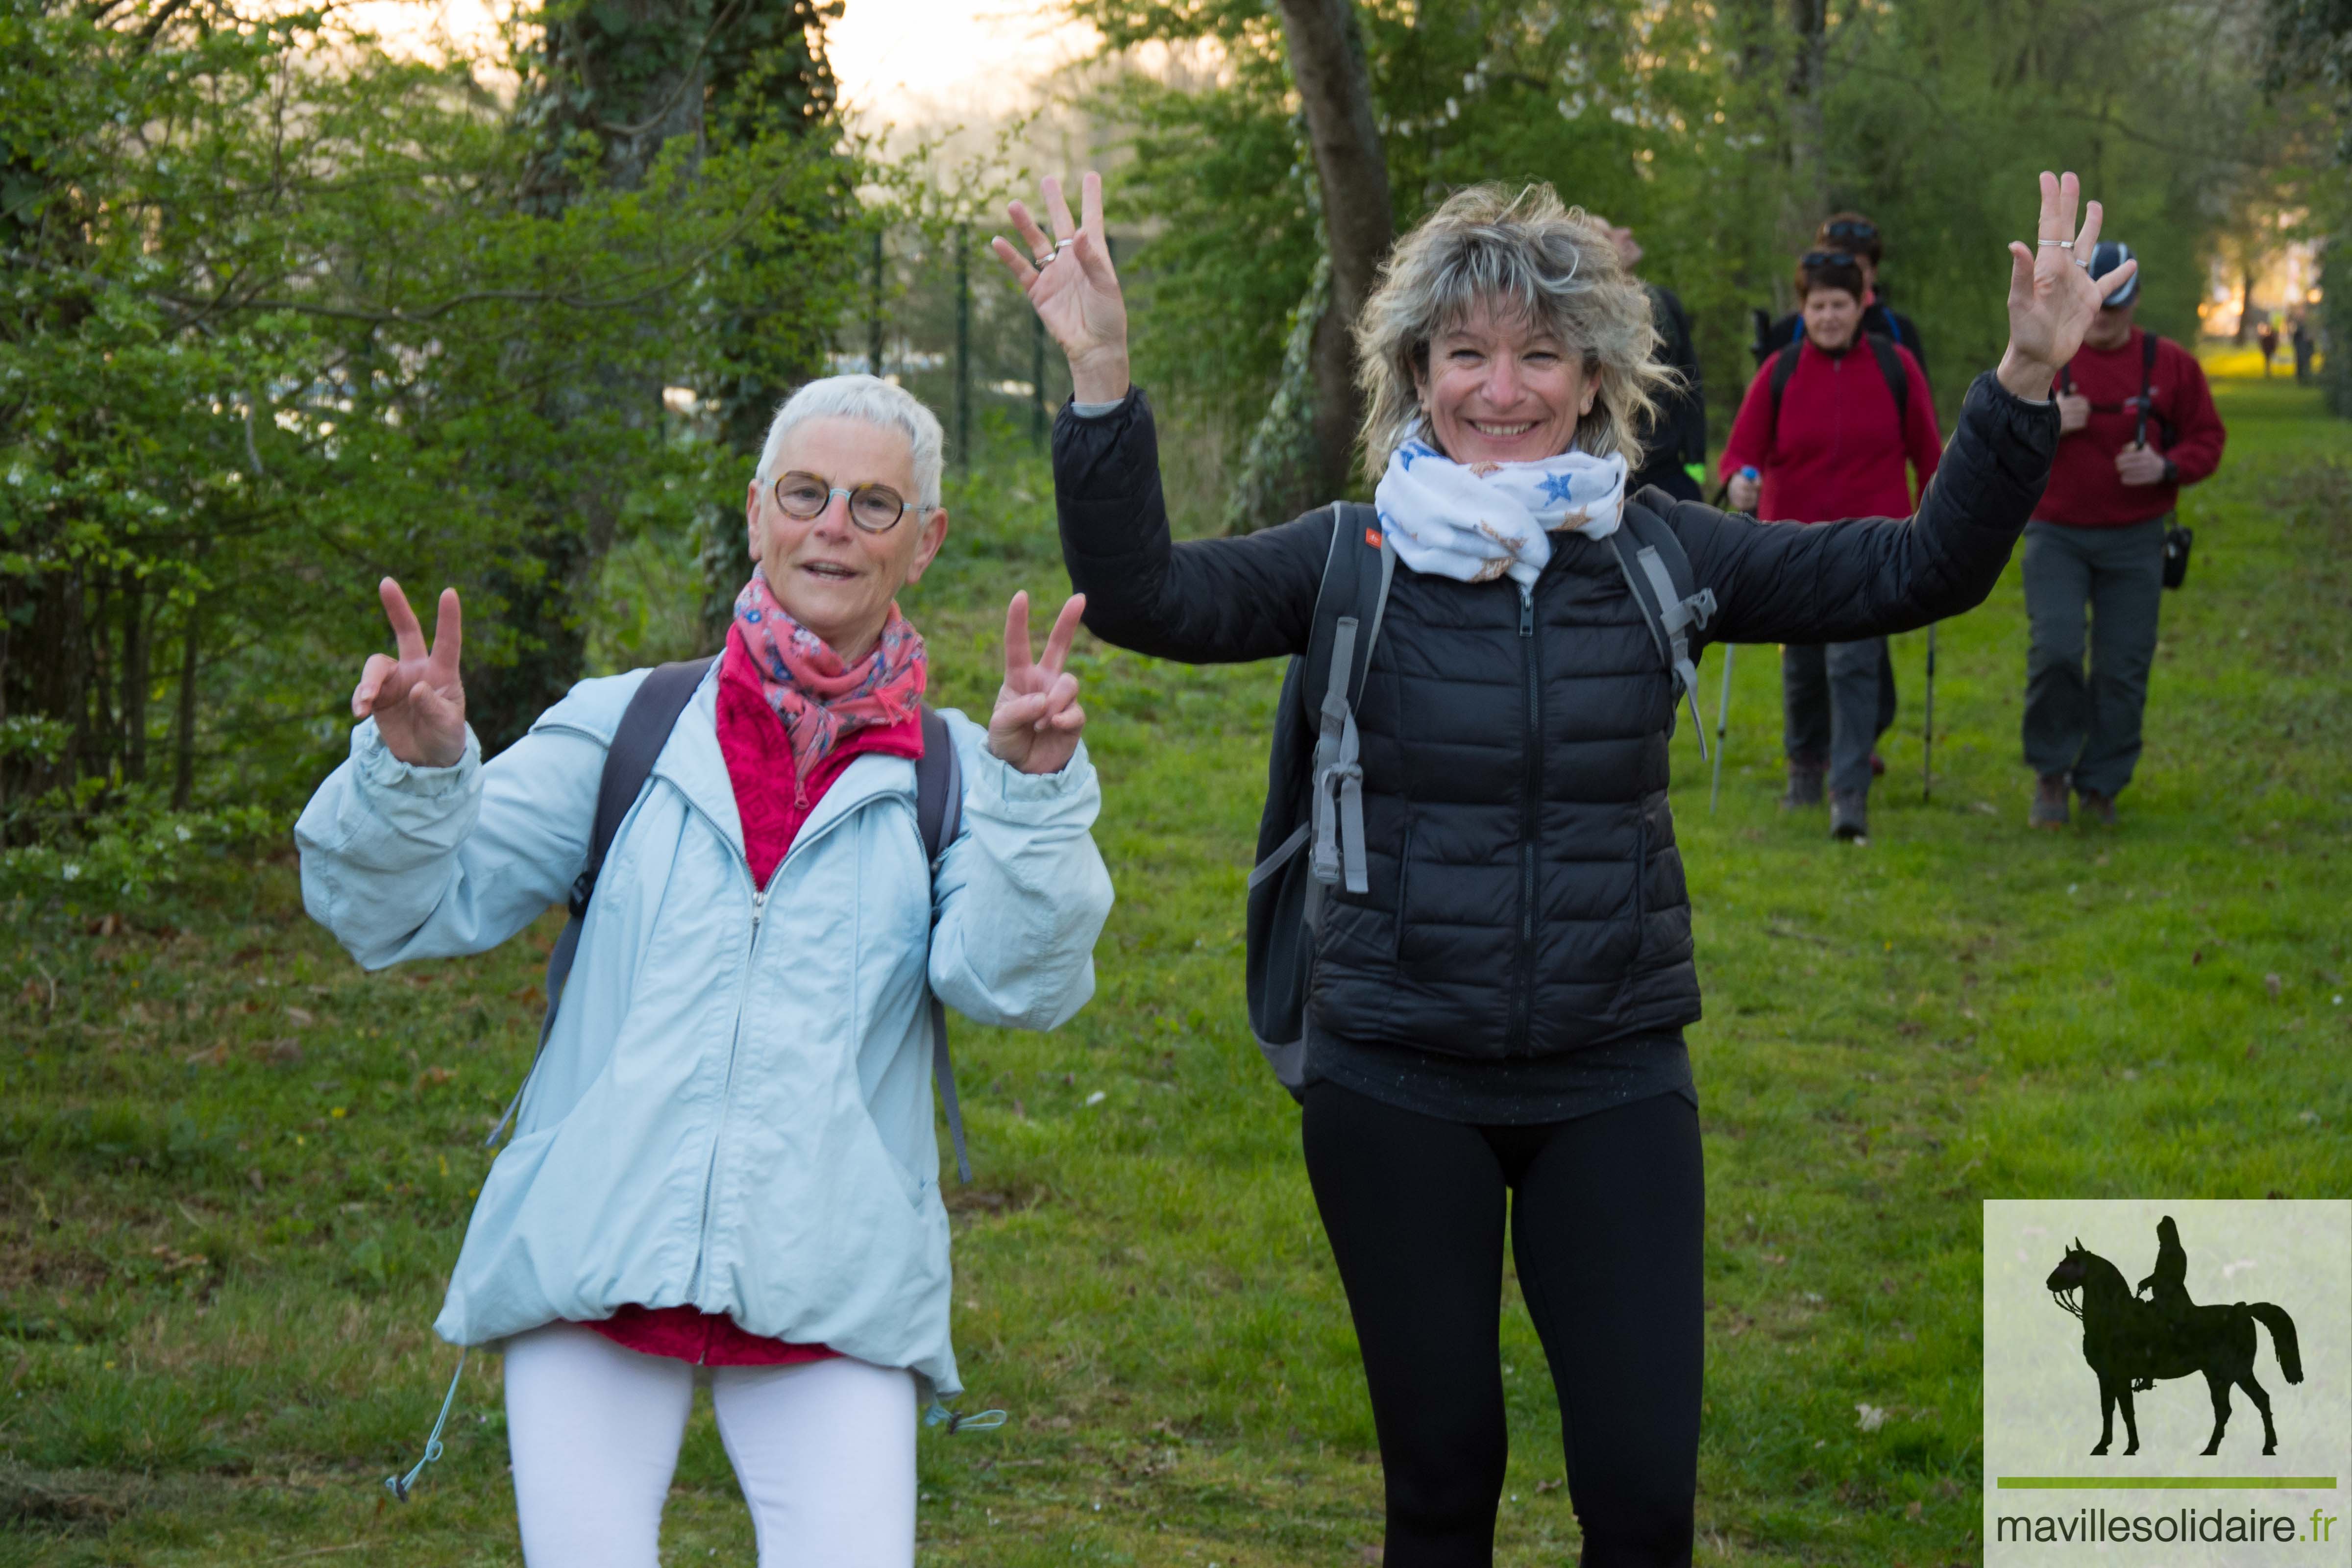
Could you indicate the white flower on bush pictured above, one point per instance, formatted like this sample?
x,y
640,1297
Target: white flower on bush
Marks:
x,y
181,833
70,871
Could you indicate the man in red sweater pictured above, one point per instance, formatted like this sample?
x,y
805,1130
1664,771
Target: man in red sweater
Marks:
x,y
1825,432
2136,423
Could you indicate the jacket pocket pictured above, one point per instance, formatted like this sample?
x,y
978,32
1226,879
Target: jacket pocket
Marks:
x,y
910,1186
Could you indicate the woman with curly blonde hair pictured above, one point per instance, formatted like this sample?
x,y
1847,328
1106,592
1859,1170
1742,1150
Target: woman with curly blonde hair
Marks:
x,y
1494,1021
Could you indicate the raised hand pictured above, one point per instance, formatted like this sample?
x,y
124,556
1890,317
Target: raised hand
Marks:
x,y
1073,289
417,700
2052,294
1037,719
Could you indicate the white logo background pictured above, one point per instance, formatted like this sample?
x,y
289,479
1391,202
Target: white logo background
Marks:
x,y
2041,1398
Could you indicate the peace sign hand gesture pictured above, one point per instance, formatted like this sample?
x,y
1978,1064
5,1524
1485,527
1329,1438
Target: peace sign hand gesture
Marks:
x,y
417,700
1073,289
1037,719
2052,294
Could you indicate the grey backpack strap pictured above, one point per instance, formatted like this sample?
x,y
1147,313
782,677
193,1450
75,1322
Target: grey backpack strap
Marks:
x,y
644,729
1338,569
1337,816
938,813
1658,572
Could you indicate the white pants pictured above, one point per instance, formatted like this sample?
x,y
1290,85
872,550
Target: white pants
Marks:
x,y
824,1452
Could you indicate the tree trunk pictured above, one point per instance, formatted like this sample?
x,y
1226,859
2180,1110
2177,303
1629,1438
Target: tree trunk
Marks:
x,y
632,74
133,699
1325,51
1805,198
184,726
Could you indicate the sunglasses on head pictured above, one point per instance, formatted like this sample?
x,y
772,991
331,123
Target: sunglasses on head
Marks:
x,y
1849,228
1812,258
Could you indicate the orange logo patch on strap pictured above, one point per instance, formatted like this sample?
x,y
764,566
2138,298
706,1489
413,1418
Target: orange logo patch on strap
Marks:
x,y
1372,537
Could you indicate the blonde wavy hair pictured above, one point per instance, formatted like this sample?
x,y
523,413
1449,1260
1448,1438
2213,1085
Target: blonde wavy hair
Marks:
x,y
1522,256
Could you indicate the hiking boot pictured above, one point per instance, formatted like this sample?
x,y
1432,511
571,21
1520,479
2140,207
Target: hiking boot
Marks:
x,y
2099,808
1805,779
1849,815
2049,801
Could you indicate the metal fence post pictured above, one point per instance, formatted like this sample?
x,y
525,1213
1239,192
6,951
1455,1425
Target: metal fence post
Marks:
x,y
963,352
873,311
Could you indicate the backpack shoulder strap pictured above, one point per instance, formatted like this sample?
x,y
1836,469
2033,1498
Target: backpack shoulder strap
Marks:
x,y
939,814
1784,367
1658,571
1354,598
1339,585
2148,408
644,729
637,741
939,786
1898,380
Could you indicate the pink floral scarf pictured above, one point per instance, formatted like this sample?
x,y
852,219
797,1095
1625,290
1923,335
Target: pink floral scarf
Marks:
x,y
819,699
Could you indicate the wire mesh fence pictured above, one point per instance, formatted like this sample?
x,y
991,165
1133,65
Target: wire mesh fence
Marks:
x,y
941,318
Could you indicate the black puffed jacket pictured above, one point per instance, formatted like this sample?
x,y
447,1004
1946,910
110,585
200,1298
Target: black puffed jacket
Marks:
x,y
1527,898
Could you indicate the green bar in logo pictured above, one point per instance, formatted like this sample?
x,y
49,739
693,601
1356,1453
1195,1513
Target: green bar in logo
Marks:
x,y
2166,1483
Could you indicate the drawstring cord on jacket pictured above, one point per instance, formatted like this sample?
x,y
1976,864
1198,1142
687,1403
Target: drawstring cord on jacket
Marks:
x,y
401,1485
956,1421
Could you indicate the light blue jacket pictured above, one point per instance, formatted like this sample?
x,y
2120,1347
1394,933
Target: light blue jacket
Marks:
x,y
734,1111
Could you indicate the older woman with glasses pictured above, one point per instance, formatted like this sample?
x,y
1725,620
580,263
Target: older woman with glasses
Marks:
x,y
725,1167
1495,1016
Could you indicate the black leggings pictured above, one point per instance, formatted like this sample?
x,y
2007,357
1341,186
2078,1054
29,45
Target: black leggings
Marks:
x,y
1605,1227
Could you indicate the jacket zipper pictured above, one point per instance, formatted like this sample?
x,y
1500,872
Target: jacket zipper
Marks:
x,y
735,1041
727,1091
1523,1005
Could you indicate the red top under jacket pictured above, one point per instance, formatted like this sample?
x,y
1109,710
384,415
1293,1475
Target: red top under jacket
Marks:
x,y
759,753
1839,450
2084,490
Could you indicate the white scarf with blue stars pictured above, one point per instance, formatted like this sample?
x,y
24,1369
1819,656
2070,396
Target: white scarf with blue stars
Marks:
x,y
1475,525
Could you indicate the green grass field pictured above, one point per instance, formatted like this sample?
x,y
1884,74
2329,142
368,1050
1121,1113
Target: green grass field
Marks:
x,y
233,1169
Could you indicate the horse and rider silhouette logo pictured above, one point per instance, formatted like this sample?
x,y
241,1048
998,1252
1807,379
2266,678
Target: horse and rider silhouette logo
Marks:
x,y
2132,1344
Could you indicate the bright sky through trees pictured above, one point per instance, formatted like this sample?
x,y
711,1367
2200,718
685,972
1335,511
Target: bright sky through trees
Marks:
x,y
899,61
896,58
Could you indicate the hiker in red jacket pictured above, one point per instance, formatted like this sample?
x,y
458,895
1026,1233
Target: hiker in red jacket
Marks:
x,y
1824,433
2136,422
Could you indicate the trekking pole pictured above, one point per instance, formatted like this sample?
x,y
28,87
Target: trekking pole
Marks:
x,y
1928,731
1722,728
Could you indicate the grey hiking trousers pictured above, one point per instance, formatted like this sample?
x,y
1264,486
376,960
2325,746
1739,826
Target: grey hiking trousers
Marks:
x,y
2090,727
1837,700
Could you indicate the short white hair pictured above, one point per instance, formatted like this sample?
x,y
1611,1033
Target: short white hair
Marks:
x,y
877,402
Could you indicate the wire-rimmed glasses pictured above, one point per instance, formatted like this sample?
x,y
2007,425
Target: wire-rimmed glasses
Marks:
x,y
874,508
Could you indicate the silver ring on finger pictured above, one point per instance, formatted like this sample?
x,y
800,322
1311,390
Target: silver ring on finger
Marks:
x,y
2061,244
1046,259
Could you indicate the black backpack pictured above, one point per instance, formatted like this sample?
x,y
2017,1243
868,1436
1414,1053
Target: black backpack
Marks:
x,y
644,729
1315,779
1881,349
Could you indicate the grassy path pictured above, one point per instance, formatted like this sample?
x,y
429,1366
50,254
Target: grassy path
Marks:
x,y
233,1170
